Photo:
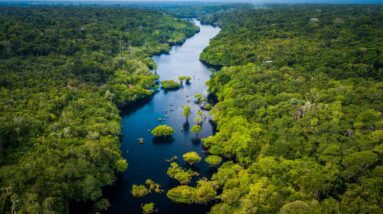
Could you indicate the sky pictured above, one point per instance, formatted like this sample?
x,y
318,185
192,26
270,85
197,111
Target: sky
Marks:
x,y
253,1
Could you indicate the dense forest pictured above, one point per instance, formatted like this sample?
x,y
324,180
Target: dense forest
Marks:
x,y
64,72
297,99
299,112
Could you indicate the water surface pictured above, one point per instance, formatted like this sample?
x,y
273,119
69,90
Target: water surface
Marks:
x,y
147,161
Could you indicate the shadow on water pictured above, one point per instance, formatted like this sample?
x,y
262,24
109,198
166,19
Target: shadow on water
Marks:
x,y
163,140
132,107
186,127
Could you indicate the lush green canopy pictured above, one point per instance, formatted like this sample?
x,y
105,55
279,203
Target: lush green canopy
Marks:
x,y
300,109
162,130
191,157
181,175
213,160
63,72
170,85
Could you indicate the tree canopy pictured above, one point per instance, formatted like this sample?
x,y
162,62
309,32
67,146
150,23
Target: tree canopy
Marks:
x,y
64,71
162,131
299,109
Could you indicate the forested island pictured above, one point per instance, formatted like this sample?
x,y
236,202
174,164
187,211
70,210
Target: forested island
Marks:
x,y
296,101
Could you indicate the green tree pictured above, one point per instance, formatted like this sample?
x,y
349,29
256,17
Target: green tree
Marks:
x,y
181,79
162,130
170,85
181,175
121,165
148,208
153,186
187,79
213,160
196,129
139,191
199,97
186,110
191,157
181,194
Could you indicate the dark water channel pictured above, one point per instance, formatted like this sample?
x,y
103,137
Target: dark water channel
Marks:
x,y
147,161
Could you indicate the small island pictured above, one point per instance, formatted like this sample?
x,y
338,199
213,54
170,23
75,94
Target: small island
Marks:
x,y
162,131
170,85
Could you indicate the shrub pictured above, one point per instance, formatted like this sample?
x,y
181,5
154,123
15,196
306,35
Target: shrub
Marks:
x,y
213,160
170,85
162,130
191,157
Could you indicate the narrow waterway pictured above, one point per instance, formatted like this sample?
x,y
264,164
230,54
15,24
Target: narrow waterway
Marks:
x,y
147,161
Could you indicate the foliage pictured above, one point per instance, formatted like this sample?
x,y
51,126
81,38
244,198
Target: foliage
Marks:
x,y
213,160
101,205
153,186
187,79
63,71
191,158
148,208
170,85
198,120
207,106
181,79
139,191
299,109
186,110
344,43
121,165
204,193
150,186
181,175
196,129
199,97
181,194
162,130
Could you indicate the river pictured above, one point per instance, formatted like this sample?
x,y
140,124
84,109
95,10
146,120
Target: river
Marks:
x,y
147,161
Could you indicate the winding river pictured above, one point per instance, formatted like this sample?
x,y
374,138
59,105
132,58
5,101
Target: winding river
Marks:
x,y
147,160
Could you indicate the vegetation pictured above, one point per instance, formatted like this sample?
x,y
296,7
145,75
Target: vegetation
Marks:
x,y
139,191
101,205
197,129
299,110
187,79
153,186
181,79
207,106
170,85
213,160
181,194
63,72
199,98
150,186
181,175
202,194
299,107
162,131
186,110
198,120
148,208
191,158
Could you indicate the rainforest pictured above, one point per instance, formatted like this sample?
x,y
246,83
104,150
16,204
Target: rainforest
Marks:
x,y
191,107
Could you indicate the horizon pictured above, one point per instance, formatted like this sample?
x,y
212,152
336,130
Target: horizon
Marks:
x,y
199,1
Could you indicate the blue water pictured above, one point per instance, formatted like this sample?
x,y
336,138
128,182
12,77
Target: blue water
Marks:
x,y
147,161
